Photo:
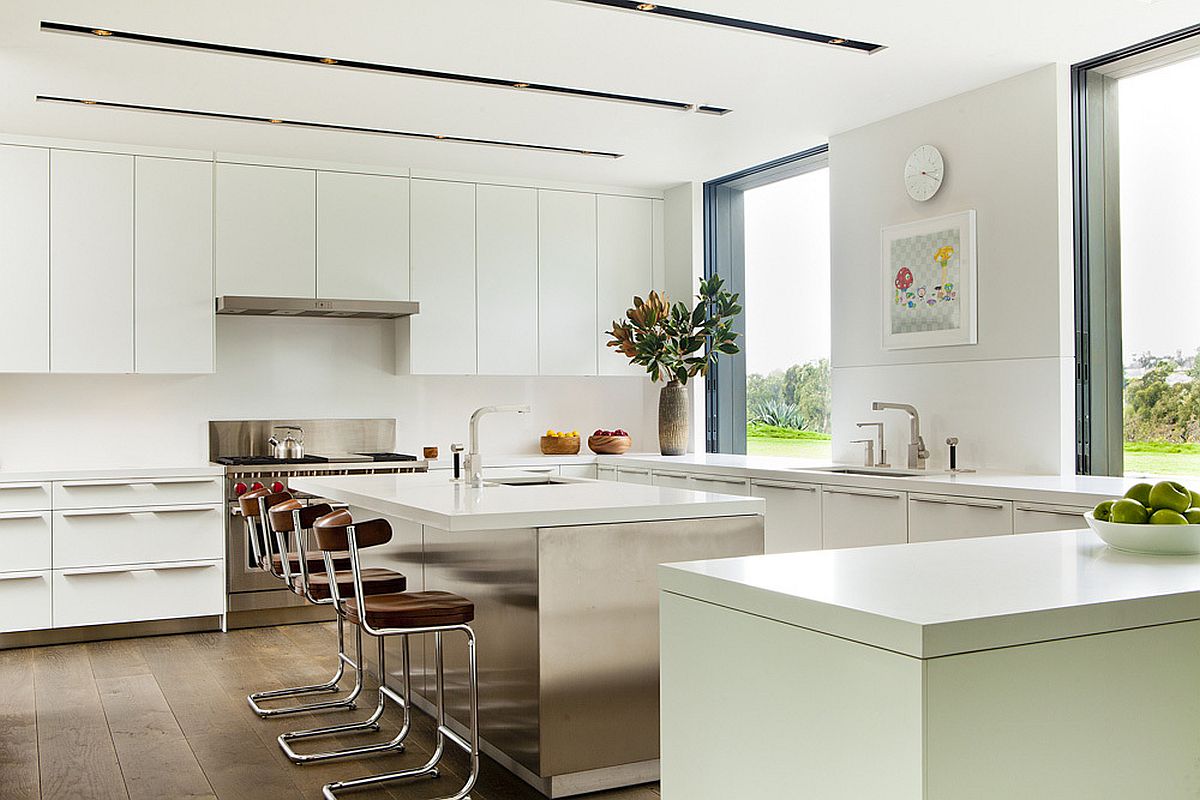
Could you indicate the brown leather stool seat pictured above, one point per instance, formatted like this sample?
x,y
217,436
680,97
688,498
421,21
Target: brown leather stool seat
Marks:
x,y
376,580
316,562
413,610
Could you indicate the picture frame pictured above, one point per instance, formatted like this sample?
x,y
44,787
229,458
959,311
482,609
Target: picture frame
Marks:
x,y
929,278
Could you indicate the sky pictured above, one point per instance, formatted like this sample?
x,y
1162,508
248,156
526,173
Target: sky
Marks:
x,y
1160,209
787,272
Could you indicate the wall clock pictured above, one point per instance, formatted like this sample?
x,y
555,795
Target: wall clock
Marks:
x,y
923,172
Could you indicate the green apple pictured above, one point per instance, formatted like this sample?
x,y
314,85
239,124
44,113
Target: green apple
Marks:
x,y
1193,516
1129,512
1195,498
1170,495
1103,511
1165,516
1140,492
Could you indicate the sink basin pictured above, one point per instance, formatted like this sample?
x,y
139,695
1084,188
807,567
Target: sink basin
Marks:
x,y
877,471
532,480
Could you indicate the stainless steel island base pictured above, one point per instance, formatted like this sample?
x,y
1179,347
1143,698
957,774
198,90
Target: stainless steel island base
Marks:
x,y
567,626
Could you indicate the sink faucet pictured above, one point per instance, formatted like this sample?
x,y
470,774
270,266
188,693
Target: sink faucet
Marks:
x,y
917,454
474,461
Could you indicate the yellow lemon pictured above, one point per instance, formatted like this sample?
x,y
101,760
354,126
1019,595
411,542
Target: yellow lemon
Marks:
x,y
549,432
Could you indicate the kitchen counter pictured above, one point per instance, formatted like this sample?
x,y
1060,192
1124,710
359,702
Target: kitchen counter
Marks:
x,y
432,499
109,473
1037,666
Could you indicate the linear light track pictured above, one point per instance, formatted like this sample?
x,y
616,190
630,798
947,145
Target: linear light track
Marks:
x,y
111,34
328,126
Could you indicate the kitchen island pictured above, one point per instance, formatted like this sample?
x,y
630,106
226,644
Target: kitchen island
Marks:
x,y
1040,666
562,574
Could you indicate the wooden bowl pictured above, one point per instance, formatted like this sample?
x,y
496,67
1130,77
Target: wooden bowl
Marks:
x,y
609,445
560,445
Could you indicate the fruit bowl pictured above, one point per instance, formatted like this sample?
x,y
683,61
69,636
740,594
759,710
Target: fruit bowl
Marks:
x,y
1159,540
609,445
560,445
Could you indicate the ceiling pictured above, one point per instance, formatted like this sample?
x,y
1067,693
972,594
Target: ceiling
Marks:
x,y
785,95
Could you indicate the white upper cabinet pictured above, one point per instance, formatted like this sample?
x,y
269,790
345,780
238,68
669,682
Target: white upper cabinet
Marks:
x,y
442,336
173,275
506,277
624,266
266,231
91,262
362,236
567,283
24,259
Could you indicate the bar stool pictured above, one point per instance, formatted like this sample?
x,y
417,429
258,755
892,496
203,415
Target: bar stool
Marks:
x,y
402,615
292,518
271,558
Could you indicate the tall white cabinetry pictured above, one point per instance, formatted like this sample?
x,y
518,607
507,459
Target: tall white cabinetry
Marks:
x,y
173,308
24,259
91,262
266,231
567,283
362,236
506,277
442,336
624,268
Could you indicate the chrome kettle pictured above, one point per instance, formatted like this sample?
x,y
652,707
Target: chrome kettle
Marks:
x,y
290,446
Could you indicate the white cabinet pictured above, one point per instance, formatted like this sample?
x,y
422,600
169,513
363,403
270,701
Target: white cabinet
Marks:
x,y
934,518
579,471
24,259
852,517
442,336
1042,517
624,268
25,540
634,475
91,262
265,231
137,593
604,473
25,601
105,536
672,480
567,283
173,274
506,270
24,497
362,236
793,518
720,484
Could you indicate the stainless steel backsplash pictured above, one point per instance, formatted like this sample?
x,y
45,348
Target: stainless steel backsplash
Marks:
x,y
248,437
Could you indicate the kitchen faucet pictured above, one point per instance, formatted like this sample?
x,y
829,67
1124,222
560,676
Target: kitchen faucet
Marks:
x,y
474,461
917,454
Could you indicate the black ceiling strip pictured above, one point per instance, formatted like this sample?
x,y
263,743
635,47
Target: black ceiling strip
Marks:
x,y
717,110
328,126
366,66
734,22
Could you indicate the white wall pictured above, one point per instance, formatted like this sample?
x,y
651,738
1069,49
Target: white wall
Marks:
x,y
307,368
1009,397
683,224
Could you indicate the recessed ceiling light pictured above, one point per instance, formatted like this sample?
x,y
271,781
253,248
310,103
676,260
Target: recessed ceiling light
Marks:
x,y
327,126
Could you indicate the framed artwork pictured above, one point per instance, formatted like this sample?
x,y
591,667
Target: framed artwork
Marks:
x,y
929,275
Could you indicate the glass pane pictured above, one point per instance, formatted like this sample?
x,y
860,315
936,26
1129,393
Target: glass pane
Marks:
x,y
1160,268
787,317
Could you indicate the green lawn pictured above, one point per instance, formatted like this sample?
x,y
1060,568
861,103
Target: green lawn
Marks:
x,y
1162,458
767,440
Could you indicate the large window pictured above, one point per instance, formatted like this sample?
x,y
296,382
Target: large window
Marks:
x,y
1138,259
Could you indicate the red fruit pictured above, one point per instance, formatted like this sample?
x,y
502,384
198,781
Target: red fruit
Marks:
x,y
620,432
598,432
276,487
240,488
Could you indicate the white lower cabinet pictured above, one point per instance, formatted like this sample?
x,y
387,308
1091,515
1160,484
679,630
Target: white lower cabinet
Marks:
x,y
793,519
106,536
672,480
579,471
25,540
200,490
853,517
24,601
633,475
934,518
137,593
719,484
24,497
1041,518
604,473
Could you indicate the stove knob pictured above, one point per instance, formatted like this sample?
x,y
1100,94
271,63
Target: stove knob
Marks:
x,y
276,487
240,489
254,487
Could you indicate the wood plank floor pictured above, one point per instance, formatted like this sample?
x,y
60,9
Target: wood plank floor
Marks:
x,y
166,717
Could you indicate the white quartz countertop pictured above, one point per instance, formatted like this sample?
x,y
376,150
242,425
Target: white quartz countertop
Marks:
x,y
432,499
941,598
109,473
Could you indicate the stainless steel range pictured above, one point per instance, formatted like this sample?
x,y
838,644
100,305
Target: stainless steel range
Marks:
x,y
246,448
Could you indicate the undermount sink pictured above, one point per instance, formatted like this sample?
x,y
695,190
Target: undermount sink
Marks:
x,y
532,480
876,471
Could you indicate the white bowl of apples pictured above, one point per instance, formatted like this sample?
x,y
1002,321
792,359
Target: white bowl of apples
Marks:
x,y
1163,519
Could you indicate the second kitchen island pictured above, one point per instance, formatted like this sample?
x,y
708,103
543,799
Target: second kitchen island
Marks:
x,y
562,574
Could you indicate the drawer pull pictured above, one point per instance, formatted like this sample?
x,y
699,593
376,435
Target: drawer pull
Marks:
x,y
938,501
147,568
726,481
1058,512
153,482
118,512
680,475
16,487
32,515
21,576
876,495
799,487
628,471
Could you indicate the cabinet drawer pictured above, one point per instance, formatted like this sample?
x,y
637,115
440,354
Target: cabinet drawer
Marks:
x,y
793,519
137,492
24,496
852,517
105,595
934,518
719,485
89,537
24,601
673,480
24,541
1038,518
578,471
633,475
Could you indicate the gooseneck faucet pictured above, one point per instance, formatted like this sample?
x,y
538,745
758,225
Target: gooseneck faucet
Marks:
x,y
917,454
474,461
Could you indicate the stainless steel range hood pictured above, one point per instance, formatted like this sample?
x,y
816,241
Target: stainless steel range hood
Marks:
x,y
318,307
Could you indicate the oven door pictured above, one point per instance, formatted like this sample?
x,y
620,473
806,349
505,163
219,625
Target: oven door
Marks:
x,y
244,574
